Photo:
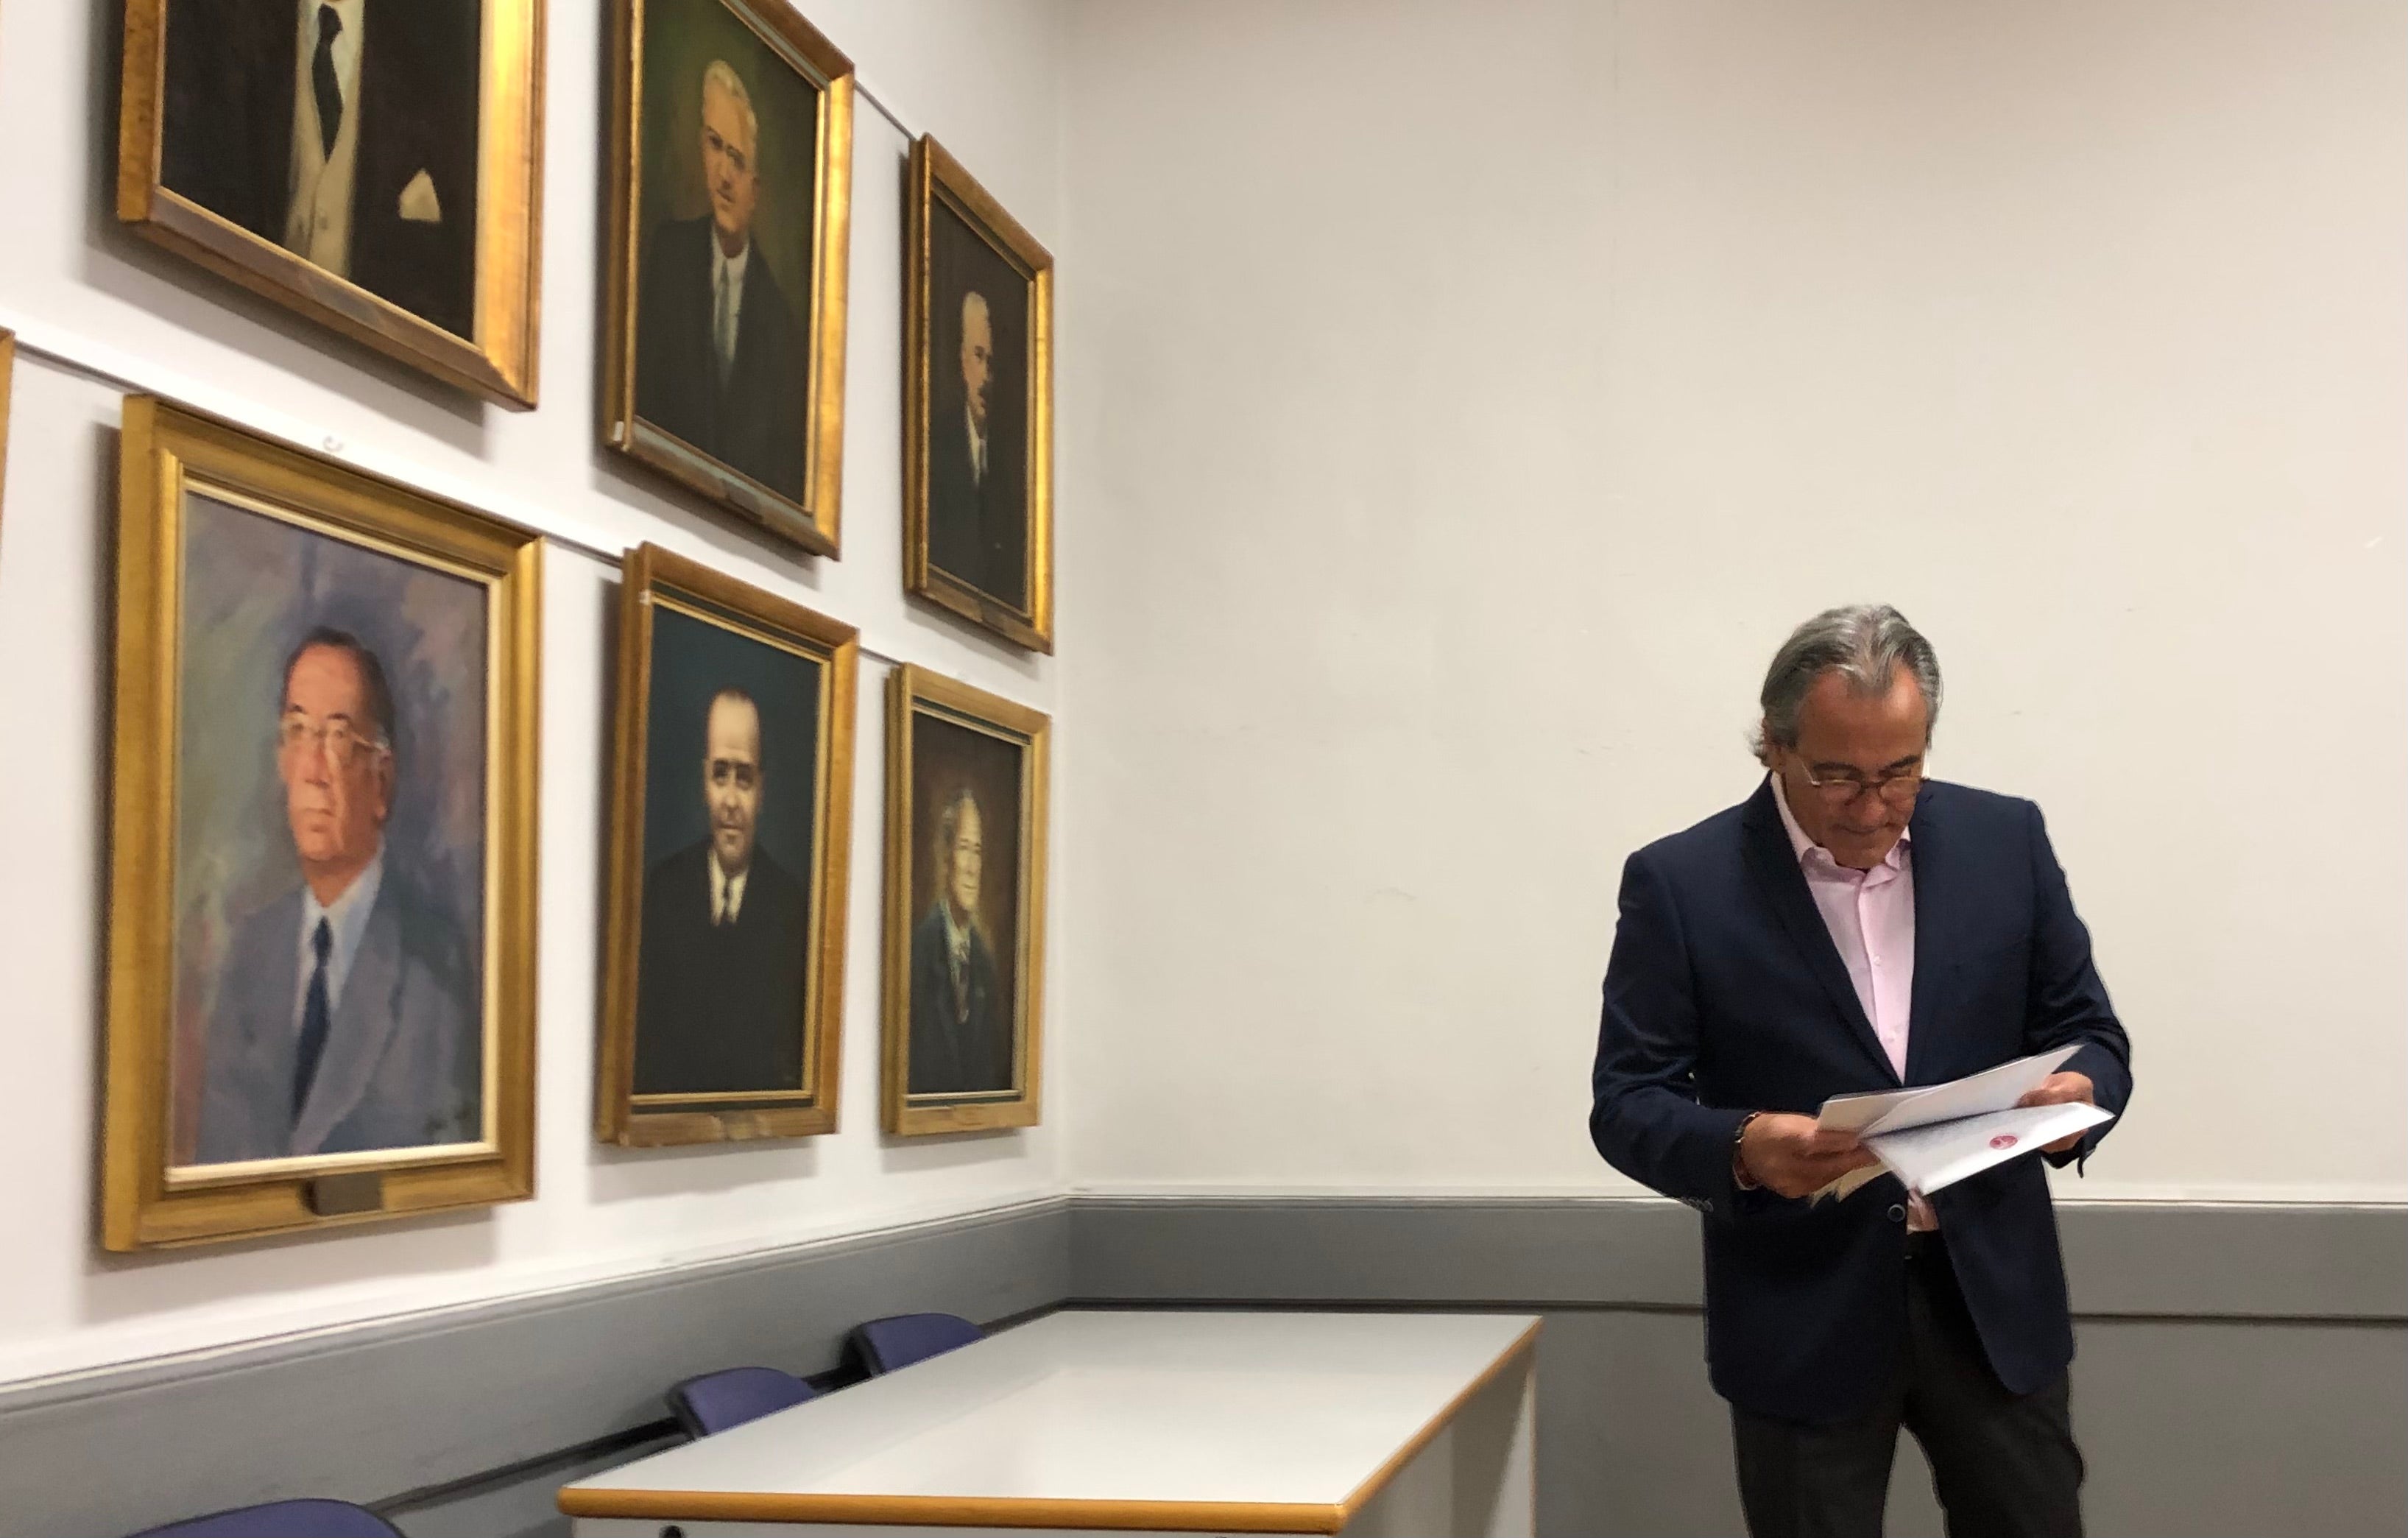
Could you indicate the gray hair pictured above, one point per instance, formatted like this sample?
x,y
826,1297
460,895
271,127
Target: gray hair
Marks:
x,y
949,823
1866,643
721,75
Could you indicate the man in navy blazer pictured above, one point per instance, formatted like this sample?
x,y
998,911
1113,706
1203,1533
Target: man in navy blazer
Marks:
x,y
1854,927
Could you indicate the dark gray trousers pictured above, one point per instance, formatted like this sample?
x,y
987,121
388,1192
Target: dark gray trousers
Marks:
x,y
2003,1465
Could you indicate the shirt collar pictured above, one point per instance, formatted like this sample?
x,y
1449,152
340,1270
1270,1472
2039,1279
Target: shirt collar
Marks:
x,y
732,265
347,921
957,935
726,891
346,11
1800,845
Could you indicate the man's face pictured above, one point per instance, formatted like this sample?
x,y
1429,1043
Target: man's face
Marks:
x,y
977,357
727,166
337,781
731,780
1843,733
966,860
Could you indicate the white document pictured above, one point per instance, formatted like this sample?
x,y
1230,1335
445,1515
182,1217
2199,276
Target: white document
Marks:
x,y
1938,1155
1935,1136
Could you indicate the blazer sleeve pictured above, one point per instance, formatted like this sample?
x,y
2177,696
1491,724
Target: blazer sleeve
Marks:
x,y
1644,1116
2068,1002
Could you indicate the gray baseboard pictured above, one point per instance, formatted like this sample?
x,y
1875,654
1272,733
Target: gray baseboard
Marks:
x,y
2243,1369
2123,1260
370,1413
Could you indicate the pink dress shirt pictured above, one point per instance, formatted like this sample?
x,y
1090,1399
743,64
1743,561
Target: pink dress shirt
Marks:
x,y
1870,914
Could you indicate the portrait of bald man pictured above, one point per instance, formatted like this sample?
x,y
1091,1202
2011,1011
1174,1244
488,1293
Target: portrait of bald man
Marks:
x,y
720,361
721,961
344,1018
977,454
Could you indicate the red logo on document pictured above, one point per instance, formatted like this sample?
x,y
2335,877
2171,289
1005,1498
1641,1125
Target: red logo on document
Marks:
x,y
2004,1140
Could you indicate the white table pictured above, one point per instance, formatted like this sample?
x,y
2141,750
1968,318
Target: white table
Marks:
x,y
1083,1422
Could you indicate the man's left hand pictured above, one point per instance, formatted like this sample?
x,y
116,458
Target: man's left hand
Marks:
x,y
2062,1089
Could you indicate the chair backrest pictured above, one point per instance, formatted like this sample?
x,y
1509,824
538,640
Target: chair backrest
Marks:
x,y
311,1518
886,1344
717,1400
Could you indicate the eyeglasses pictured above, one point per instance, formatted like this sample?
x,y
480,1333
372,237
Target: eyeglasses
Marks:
x,y
1842,786
340,744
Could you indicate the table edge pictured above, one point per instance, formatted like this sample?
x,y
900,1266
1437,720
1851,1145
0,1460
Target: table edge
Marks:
x,y
964,1511
988,1511
1524,1345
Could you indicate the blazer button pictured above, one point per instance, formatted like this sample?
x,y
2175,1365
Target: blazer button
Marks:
x,y
1897,1212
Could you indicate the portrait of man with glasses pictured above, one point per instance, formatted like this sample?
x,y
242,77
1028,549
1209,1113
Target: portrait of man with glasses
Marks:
x,y
344,1019
1856,926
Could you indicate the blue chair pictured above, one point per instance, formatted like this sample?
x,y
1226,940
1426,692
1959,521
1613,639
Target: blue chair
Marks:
x,y
886,1344
282,1519
717,1400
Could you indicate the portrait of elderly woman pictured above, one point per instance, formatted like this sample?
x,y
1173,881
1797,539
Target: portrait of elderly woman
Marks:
x,y
966,916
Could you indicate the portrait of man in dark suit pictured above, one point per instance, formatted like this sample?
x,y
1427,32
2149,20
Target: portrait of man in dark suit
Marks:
x,y
720,997
977,494
345,1016
345,131
719,362
961,1015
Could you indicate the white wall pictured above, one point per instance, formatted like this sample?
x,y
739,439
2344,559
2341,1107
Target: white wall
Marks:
x,y
1467,398
984,77
1470,398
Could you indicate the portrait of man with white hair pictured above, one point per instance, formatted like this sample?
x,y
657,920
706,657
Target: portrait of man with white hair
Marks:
x,y
719,357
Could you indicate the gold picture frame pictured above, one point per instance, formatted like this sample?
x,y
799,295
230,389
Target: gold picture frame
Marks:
x,y
953,752
728,645
210,136
408,629
965,546
759,429
8,378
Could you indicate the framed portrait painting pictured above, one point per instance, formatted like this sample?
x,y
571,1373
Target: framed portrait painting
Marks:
x,y
966,808
978,406
374,167
730,849
321,912
724,345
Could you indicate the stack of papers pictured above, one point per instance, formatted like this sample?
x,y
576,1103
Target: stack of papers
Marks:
x,y
1934,1137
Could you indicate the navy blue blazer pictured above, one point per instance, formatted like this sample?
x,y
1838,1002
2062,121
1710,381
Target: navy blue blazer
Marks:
x,y
1725,995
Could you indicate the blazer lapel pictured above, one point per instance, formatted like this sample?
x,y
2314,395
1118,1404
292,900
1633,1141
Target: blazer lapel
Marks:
x,y
1776,865
363,1026
1934,907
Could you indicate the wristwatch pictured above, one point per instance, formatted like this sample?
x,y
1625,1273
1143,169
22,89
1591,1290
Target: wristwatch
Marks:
x,y
1739,1166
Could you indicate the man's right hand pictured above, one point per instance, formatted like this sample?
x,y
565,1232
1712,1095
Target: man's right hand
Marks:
x,y
1792,1155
